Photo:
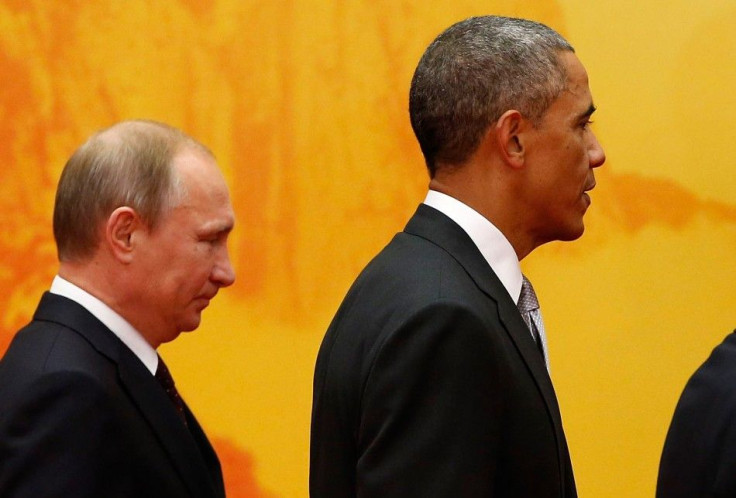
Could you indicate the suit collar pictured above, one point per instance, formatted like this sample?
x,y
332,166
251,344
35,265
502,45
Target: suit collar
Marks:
x,y
490,241
66,312
117,324
184,448
440,230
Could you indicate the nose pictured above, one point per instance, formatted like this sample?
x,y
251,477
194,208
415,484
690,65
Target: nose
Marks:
x,y
223,273
596,154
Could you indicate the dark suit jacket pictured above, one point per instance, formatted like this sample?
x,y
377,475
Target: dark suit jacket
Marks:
x,y
699,456
81,416
429,384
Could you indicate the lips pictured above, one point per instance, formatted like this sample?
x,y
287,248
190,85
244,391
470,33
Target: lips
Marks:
x,y
585,195
207,298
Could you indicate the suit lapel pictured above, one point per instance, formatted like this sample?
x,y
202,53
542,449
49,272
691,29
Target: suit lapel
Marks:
x,y
206,451
145,392
173,435
440,230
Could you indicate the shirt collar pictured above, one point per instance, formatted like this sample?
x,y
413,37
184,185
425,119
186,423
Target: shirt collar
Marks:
x,y
111,319
492,244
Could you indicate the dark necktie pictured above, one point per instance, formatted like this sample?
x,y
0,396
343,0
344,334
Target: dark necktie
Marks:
x,y
529,307
167,382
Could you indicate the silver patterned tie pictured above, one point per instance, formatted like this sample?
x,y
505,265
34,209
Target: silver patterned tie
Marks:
x,y
529,307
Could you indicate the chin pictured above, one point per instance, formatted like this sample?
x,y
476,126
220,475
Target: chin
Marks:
x,y
170,337
191,325
572,233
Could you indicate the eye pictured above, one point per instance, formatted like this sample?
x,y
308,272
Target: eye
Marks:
x,y
209,239
214,239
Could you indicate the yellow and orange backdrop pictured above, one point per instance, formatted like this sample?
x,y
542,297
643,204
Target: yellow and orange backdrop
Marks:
x,y
304,103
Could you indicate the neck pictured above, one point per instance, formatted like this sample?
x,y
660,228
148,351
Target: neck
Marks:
x,y
95,277
495,204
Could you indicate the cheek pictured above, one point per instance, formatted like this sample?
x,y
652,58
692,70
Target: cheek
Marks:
x,y
186,274
199,267
577,163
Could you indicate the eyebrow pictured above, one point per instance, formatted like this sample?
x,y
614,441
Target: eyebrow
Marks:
x,y
218,228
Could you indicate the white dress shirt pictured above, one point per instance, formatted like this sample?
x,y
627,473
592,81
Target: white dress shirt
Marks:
x,y
492,244
113,321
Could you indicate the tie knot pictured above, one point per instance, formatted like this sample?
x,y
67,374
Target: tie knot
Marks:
x,y
527,298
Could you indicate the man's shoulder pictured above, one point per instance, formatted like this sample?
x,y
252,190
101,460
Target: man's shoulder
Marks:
x,y
49,365
410,269
410,276
722,359
44,348
715,379
407,253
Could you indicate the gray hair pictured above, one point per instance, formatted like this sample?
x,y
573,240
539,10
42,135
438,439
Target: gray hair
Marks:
x,y
128,164
475,71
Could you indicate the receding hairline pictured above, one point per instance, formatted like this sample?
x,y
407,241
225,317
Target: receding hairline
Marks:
x,y
119,133
127,164
124,132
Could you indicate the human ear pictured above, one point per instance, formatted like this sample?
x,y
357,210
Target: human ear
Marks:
x,y
120,228
508,133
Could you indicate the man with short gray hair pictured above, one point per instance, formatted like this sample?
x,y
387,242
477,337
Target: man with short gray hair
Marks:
x,y
432,379
89,409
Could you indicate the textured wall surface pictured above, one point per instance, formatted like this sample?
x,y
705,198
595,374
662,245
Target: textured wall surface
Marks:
x,y
304,104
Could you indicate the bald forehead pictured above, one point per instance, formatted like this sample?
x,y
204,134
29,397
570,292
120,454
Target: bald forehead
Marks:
x,y
194,168
138,132
133,130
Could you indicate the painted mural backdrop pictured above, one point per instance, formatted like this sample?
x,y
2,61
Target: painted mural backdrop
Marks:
x,y
304,103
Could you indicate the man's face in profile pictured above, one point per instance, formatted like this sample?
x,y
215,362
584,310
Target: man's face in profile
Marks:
x,y
562,155
186,260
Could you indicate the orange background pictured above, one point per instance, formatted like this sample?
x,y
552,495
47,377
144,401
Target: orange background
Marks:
x,y
304,104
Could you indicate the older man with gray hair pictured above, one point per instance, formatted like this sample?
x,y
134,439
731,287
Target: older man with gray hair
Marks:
x,y
89,409
432,380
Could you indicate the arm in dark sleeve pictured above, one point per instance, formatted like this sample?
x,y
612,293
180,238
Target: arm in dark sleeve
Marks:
x,y
432,409
60,440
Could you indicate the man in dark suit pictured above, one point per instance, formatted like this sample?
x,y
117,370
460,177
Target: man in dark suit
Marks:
x,y
699,456
429,382
87,407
